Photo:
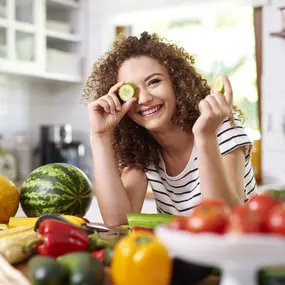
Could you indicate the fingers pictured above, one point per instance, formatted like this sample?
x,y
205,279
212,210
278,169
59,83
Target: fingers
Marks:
x,y
115,88
228,91
100,104
128,105
113,102
204,107
216,106
213,103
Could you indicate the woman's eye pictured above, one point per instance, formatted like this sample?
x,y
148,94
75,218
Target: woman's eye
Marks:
x,y
154,81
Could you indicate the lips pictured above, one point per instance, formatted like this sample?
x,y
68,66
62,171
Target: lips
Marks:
x,y
150,111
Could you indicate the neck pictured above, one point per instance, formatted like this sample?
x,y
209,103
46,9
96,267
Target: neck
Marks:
x,y
174,142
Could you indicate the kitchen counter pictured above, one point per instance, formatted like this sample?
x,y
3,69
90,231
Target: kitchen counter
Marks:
x,y
94,214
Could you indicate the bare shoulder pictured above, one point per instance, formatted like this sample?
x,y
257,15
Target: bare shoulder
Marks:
x,y
135,183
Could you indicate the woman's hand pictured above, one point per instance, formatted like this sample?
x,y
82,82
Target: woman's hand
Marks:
x,y
214,109
106,112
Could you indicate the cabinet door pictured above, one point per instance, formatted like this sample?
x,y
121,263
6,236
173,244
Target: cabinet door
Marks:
x,y
3,28
3,9
25,30
3,42
25,11
25,46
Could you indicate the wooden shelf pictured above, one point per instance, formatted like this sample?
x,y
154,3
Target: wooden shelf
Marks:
x,y
278,34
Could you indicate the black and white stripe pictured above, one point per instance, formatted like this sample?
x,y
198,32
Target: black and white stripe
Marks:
x,y
180,194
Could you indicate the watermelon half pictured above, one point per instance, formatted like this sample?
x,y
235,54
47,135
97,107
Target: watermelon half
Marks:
x,y
57,188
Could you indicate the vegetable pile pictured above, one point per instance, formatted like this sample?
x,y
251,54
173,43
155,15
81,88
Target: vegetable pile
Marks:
x,y
264,214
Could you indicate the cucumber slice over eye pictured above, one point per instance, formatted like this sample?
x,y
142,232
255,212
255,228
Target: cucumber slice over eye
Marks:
x,y
218,85
127,91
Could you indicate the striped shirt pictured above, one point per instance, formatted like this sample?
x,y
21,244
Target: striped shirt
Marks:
x,y
179,194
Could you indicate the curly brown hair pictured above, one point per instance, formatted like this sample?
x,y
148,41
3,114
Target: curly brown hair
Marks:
x,y
133,145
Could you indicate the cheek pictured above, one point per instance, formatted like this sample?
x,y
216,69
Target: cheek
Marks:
x,y
172,104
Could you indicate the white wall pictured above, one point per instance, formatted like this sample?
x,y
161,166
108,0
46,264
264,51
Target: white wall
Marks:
x,y
273,99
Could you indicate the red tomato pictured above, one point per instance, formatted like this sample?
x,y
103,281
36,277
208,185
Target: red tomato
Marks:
x,y
262,204
178,223
276,220
209,216
243,220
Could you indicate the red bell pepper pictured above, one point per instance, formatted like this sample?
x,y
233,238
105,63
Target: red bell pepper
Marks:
x,y
57,238
137,228
99,254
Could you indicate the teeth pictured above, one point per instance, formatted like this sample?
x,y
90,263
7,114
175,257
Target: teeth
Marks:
x,y
148,112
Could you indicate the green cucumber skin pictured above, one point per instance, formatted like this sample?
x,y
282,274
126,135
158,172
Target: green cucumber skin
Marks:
x,y
150,221
58,188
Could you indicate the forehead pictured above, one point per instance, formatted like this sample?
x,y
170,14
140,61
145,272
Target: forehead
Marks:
x,y
138,68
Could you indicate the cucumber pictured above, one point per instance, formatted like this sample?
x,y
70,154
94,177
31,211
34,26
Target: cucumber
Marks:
x,y
272,276
83,268
127,91
150,221
44,270
218,85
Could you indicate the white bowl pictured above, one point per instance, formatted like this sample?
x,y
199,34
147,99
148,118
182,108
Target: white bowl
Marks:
x,y
239,256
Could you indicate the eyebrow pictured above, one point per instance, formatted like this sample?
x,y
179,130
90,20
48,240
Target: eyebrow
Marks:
x,y
151,75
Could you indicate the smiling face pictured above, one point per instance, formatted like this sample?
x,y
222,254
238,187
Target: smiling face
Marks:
x,y
156,101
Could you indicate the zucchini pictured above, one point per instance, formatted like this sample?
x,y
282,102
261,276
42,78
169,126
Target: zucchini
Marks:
x,y
150,221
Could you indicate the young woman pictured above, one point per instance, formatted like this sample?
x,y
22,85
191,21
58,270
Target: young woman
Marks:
x,y
176,134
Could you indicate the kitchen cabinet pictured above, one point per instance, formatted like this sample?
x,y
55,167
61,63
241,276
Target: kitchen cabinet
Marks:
x,y
42,38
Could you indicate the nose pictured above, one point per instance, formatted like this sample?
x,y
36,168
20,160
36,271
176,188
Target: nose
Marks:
x,y
144,97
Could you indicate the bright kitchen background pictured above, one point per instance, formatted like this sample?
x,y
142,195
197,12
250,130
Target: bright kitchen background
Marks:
x,y
47,48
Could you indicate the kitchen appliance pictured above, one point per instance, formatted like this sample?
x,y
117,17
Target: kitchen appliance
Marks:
x,y
57,145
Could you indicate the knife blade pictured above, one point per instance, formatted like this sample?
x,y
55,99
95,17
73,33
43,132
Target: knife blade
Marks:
x,y
100,227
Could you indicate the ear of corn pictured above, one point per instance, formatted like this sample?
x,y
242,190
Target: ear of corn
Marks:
x,y
3,227
12,244
11,232
10,275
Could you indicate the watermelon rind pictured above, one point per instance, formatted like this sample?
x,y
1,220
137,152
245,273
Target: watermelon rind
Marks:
x,y
56,188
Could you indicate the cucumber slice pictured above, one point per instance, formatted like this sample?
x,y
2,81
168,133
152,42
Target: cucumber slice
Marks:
x,y
127,91
218,85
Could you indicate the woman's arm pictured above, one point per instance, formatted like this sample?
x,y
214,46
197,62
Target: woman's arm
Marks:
x,y
221,178
115,198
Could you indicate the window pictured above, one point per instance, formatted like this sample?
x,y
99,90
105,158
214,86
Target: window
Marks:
x,y
222,41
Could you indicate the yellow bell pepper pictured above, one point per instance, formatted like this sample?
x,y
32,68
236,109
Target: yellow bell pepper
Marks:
x,y
140,259
25,221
